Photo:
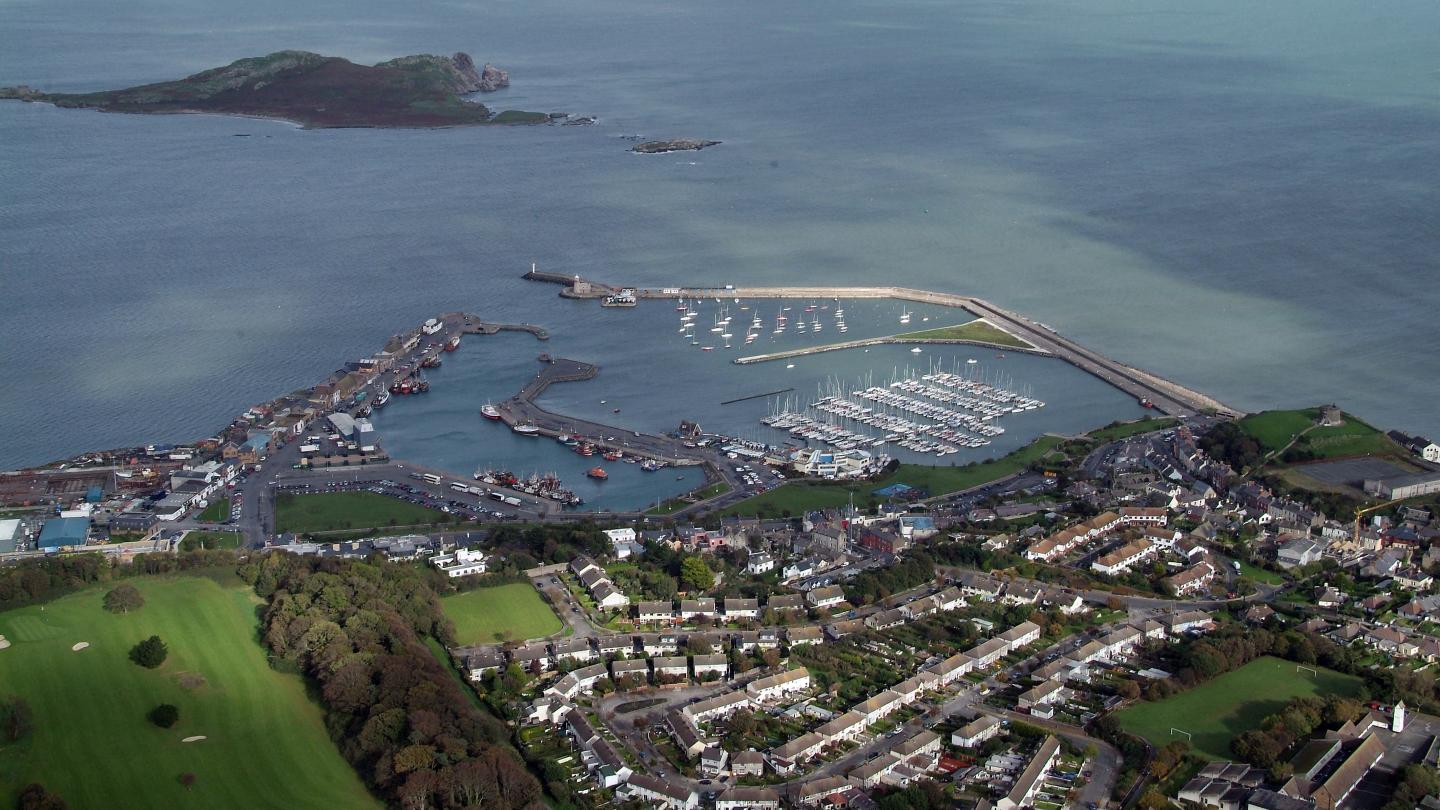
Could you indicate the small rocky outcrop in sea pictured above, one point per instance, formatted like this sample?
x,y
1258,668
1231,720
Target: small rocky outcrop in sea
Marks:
x,y
672,145
24,92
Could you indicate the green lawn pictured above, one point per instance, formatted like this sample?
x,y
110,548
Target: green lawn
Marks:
x,y
1235,702
802,495
1264,576
217,512
1275,429
198,540
266,743
329,511
1125,430
513,612
978,330
674,505
1354,438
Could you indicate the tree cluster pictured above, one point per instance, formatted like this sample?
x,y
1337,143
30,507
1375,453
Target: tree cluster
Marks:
x,y
35,797
397,716
17,719
1266,746
1229,443
1416,782
914,568
39,580
549,543
165,715
123,598
150,653
927,795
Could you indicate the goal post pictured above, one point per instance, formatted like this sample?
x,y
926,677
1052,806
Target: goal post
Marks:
x,y
1188,736
1311,670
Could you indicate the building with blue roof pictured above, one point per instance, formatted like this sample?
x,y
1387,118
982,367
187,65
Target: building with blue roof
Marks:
x,y
59,532
895,490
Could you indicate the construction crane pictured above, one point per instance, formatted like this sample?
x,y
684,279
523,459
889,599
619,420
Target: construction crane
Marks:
x,y
1359,513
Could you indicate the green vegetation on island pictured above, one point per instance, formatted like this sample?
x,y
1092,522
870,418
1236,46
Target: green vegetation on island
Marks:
x,y
977,331
513,612
257,723
1216,711
316,91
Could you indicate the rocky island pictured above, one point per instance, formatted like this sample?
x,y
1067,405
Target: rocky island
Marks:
x,y
317,91
672,145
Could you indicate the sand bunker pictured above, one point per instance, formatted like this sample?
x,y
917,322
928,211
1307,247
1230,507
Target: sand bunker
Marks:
x,y
196,738
82,645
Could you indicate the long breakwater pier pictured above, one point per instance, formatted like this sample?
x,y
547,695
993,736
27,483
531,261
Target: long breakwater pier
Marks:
x,y
1165,395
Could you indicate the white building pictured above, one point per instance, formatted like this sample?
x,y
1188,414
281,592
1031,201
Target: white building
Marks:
x,y
657,792
463,562
777,686
1122,559
975,732
748,798
759,562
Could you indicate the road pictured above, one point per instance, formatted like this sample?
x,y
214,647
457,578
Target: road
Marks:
x,y
571,612
1104,768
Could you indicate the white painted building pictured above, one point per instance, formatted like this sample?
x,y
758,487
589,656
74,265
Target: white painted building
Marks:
x,y
463,562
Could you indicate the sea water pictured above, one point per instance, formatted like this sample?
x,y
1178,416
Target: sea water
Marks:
x,y
1233,195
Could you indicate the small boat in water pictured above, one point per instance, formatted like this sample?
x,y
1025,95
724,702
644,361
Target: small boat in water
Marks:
x,y
916,350
382,399
526,429
452,344
650,465
598,473
489,411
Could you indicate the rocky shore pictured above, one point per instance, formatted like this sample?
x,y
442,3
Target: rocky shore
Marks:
x,y
672,145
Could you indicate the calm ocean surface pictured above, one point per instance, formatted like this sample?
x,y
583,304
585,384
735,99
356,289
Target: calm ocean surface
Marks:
x,y
1239,196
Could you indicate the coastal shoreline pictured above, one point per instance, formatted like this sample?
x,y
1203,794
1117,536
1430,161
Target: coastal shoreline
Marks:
x,y
1168,396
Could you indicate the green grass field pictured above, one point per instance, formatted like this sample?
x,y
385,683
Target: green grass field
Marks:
x,y
197,540
1235,702
1263,576
674,505
217,512
265,745
331,511
981,330
513,612
801,496
1275,429
1127,429
1354,438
